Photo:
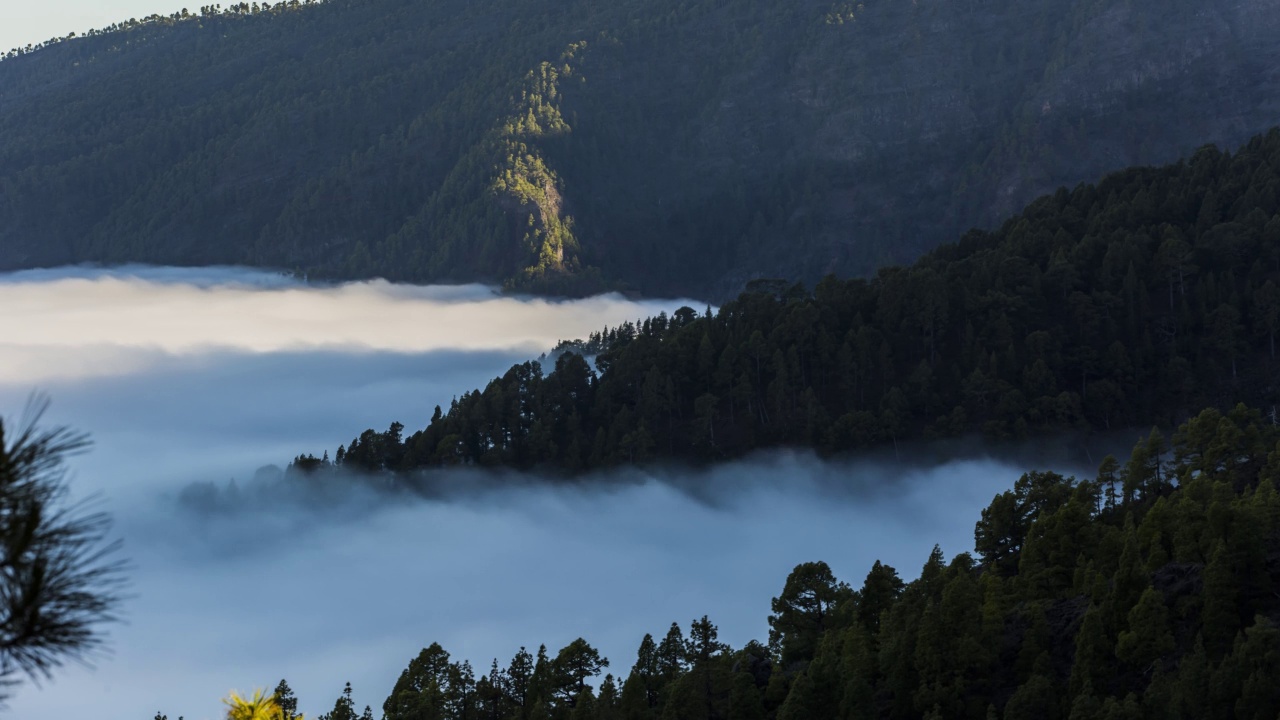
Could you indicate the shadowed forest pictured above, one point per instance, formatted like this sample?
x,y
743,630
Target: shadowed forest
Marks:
x,y
1136,301
565,147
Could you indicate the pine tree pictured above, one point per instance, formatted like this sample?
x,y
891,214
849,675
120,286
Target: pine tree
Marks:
x,y
1257,661
60,579
420,690
1085,705
287,701
541,682
575,663
669,659
879,592
1126,709
344,708
802,702
607,703
1036,699
1093,667
1129,580
1220,617
1190,699
640,691
519,677
702,650
584,706
744,699
858,673
803,611
1108,478
1149,637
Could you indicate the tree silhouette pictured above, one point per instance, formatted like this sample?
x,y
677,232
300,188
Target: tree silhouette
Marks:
x,y
60,576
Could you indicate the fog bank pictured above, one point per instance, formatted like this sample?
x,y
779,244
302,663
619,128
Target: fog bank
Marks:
x,y
189,378
85,322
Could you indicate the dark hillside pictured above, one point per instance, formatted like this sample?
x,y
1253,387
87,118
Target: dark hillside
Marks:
x,y
1135,301
670,146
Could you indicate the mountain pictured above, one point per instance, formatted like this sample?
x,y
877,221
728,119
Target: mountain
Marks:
x,y
670,146
1136,301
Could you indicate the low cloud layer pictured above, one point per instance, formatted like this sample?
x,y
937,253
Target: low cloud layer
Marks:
x,y
321,585
87,322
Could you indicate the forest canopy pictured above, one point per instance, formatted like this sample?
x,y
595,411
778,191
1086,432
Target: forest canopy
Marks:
x,y
668,146
1134,301
1145,591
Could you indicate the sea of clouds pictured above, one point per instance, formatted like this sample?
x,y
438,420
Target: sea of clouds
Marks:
x,y
191,380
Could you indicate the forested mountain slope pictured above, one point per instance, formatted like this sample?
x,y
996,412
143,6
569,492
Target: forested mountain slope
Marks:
x,y
1136,301
1148,591
672,146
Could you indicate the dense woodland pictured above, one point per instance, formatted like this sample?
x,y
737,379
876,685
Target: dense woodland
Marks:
x,y
685,145
1146,592
1138,300
672,146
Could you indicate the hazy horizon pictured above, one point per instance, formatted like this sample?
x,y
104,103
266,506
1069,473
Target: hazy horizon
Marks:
x,y
36,22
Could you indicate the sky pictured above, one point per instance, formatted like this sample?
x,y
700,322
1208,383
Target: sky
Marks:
x,y
38,20
190,381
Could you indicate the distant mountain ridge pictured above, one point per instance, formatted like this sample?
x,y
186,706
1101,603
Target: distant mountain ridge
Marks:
x,y
563,147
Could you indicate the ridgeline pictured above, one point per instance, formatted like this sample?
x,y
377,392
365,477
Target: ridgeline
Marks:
x,y
1136,301
669,146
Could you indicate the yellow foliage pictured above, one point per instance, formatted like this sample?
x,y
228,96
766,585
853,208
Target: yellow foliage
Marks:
x,y
258,706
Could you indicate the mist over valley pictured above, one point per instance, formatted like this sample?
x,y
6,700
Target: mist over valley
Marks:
x,y
697,360
345,583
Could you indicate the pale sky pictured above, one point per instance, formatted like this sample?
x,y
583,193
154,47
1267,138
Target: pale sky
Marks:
x,y
34,21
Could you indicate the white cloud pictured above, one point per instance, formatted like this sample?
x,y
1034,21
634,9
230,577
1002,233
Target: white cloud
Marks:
x,y
89,323
211,376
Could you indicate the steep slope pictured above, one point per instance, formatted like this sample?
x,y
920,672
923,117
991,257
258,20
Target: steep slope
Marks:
x,y
1135,301
669,146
